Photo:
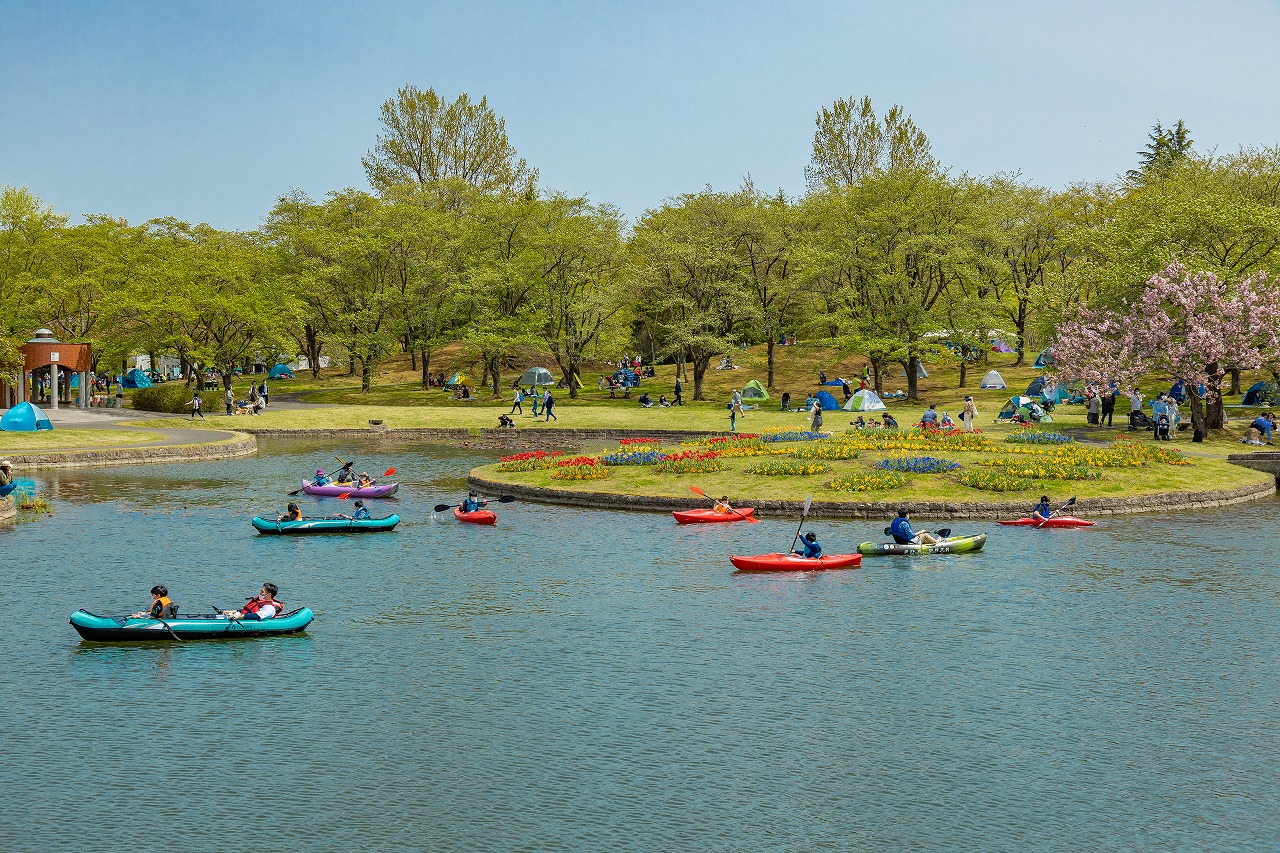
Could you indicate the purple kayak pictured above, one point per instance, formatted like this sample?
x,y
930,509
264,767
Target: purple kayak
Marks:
x,y
332,490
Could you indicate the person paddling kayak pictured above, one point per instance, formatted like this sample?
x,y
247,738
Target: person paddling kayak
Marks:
x,y
812,549
361,513
900,530
473,502
1042,510
260,607
722,506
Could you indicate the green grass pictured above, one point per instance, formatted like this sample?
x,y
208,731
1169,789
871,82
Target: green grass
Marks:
x,y
64,439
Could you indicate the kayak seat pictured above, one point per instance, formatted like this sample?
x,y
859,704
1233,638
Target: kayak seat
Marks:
x,y
888,531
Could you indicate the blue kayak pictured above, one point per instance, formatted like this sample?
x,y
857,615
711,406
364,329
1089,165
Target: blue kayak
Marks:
x,y
326,525
122,629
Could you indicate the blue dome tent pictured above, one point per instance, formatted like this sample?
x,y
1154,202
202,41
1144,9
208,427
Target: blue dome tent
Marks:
x,y
25,417
280,371
135,379
828,402
1256,395
1044,359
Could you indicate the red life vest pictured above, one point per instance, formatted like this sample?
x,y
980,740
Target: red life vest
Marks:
x,y
256,603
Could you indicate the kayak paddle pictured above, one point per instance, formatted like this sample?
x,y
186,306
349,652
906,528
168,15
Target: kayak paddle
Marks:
x,y
505,499
388,472
295,492
1070,503
808,502
698,491
218,611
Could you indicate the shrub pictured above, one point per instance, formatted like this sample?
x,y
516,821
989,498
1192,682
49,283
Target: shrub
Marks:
x,y
174,398
917,464
994,481
786,468
869,481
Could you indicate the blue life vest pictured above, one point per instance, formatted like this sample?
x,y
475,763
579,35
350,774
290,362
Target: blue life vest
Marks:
x,y
811,549
901,530
361,514
1042,510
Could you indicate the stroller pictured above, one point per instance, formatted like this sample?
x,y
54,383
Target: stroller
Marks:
x,y
1139,420
786,401
1163,427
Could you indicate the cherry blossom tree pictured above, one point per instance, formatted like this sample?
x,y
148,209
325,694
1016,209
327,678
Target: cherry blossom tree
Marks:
x,y
1185,325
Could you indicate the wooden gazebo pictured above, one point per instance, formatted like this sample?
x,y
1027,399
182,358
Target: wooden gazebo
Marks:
x,y
52,363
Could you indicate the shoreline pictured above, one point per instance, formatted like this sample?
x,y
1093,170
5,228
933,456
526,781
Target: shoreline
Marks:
x,y
238,444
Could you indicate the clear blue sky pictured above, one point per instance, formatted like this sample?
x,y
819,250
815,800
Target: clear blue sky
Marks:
x,y
208,111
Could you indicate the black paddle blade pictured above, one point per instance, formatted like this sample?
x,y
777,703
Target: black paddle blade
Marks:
x,y
506,499
442,507
295,493
1070,502
944,532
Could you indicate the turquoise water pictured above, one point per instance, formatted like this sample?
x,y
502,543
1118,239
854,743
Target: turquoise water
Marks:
x,y
604,681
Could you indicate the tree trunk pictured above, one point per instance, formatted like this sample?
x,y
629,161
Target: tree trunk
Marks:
x,y
572,376
769,384
366,375
700,365
876,378
1020,324
911,365
1197,417
964,367
1213,388
495,368
413,359
426,369
351,359
313,349
1234,373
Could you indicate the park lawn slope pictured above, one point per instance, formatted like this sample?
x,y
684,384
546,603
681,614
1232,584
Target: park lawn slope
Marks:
x,y
72,439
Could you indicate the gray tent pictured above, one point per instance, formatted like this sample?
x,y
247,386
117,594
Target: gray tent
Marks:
x,y
993,379
921,373
536,376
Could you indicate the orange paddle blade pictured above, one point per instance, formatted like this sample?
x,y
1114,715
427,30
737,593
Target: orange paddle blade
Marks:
x,y
698,491
388,472
344,496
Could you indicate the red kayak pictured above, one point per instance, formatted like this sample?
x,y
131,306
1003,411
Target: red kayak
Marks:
x,y
480,516
795,563
1056,521
710,516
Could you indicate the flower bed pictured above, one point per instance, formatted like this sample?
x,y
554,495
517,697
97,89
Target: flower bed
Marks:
x,y
634,457
917,464
691,462
869,481
1036,436
532,460
1043,469
991,480
827,450
580,468
629,442
793,435
786,468
1152,452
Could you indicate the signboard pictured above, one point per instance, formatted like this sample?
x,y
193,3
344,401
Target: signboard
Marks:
x,y
53,356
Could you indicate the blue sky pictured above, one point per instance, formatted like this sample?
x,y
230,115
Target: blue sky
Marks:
x,y
208,111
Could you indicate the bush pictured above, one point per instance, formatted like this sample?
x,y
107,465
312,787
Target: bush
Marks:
x,y
174,397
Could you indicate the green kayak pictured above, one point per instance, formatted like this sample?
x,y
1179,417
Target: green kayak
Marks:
x,y
950,545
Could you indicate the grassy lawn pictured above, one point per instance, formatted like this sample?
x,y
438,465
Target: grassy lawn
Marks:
x,y
61,439
1153,477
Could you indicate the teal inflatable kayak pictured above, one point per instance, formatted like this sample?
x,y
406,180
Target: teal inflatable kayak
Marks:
x,y
325,525
123,629
951,545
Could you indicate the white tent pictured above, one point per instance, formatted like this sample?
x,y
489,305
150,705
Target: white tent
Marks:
x,y
865,400
536,376
993,379
921,373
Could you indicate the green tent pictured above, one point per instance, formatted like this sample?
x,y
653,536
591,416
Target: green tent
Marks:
x,y
753,390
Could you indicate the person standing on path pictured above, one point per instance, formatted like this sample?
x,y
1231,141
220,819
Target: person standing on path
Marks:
x,y
679,400
547,402
195,406
229,399
516,402
1095,406
262,392
969,413
1108,406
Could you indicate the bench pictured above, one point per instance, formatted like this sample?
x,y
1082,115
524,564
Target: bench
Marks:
x,y
626,392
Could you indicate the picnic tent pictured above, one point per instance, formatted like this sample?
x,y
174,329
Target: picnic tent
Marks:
x,y
920,371
1256,395
1044,359
459,379
25,417
1001,346
1020,405
865,400
280,371
828,402
835,382
753,390
993,379
135,379
536,376
1049,392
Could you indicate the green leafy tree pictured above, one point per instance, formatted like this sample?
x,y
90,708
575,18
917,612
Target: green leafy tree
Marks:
x,y
29,231
427,141
851,143
1165,148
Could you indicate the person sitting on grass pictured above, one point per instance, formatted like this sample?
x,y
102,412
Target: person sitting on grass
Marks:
x,y
946,421
859,423
812,550
505,422
929,420
663,402
900,530
890,422
645,400
161,606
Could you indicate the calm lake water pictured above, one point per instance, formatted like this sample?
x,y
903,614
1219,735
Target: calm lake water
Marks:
x,y
575,680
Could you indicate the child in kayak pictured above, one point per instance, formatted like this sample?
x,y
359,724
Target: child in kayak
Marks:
x,y
319,479
161,606
472,503
812,549
361,513
900,530
291,513
722,506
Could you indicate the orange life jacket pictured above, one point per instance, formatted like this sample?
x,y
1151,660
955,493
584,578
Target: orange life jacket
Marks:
x,y
163,608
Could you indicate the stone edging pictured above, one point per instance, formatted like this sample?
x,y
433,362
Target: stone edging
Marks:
x,y
8,509
883,509
462,433
238,445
